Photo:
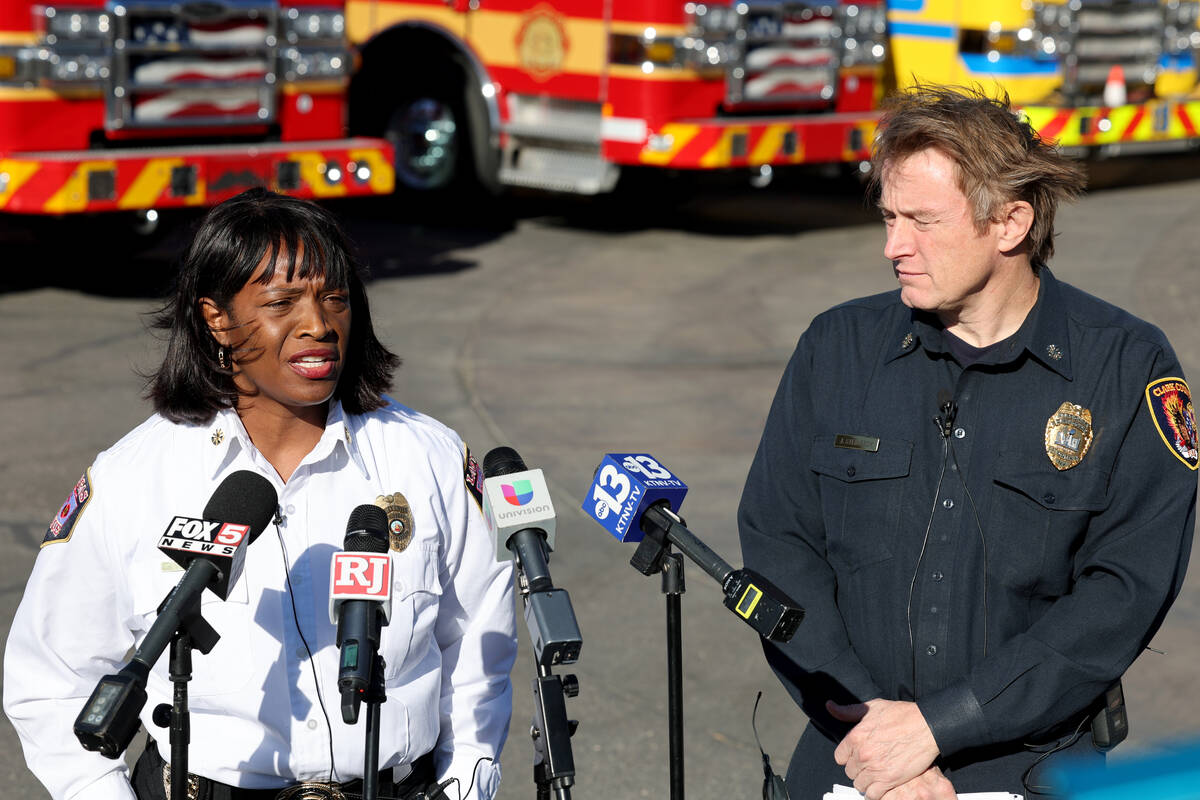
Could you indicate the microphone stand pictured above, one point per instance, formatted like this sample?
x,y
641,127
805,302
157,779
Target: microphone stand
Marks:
x,y
752,597
654,554
374,697
193,633
554,634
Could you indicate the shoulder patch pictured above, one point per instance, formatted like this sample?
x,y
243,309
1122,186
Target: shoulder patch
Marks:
x,y
473,477
64,521
1170,402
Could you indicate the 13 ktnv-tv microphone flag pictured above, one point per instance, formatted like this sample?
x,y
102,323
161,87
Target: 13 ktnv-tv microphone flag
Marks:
x,y
626,484
360,601
635,498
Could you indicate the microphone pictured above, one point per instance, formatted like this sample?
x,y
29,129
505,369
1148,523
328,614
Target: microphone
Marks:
x,y
212,551
360,601
635,498
520,518
949,410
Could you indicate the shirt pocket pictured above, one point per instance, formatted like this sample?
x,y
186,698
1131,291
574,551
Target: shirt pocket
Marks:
x,y
1037,521
416,594
229,666
861,493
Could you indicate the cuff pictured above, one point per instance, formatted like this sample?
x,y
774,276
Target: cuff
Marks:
x,y
955,718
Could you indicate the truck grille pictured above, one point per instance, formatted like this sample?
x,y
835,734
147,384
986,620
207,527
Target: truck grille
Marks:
x,y
790,55
1113,32
193,64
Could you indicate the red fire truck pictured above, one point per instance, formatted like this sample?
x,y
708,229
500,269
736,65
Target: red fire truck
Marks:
x,y
140,105
561,94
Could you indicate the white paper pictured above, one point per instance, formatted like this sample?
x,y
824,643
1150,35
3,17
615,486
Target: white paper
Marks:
x,y
840,792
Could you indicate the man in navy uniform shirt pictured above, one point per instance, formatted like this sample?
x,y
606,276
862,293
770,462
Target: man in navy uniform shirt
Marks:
x,y
981,486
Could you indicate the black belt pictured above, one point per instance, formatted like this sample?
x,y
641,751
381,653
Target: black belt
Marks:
x,y
151,781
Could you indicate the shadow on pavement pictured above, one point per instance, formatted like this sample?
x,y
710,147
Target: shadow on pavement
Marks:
x,y
412,236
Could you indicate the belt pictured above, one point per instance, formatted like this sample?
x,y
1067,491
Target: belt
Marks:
x,y
152,781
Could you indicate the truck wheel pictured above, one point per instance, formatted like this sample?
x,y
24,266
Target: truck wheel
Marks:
x,y
429,137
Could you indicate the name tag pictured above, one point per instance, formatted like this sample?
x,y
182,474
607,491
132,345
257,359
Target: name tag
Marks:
x,y
851,442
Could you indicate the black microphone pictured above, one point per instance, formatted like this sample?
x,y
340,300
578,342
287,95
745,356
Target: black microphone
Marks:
x,y
520,517
360,601
949,410
632,497
212,550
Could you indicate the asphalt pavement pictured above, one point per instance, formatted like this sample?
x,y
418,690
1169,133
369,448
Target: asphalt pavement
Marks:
x,y
655,321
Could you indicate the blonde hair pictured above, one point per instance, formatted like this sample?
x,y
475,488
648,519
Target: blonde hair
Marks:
x,y
998,157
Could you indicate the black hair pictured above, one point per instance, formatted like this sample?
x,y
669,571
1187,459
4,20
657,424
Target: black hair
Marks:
x,y
231,242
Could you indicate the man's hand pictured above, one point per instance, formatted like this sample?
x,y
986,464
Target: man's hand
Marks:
x,y
929,785
889,745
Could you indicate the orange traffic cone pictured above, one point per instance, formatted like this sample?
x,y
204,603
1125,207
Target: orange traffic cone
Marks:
x,y
1114,87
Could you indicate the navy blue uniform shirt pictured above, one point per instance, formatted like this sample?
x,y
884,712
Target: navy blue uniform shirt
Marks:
x,y
953,562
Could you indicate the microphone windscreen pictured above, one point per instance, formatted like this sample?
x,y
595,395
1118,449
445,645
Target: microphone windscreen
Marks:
x,y
244,497
502,461
367,530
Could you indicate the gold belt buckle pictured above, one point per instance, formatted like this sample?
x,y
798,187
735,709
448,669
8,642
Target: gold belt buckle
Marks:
x,y
193,783
312,790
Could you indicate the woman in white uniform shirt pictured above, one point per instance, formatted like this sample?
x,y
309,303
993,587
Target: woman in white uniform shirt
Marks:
x,y
272,365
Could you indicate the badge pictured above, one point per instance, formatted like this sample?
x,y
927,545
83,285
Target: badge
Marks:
x,y
473,477
64,521
542,43
1170,402
400,520
1068,435
851,441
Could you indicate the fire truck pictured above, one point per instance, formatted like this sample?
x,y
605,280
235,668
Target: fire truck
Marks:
x,y
140,105
146,104
563,94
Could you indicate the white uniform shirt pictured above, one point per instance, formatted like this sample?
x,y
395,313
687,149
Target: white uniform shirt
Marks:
x,y
256,699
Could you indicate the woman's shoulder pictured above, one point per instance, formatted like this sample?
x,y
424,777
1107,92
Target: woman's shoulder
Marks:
x,y
396,421
148,446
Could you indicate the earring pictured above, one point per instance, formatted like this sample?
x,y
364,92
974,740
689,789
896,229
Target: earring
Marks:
x,y
221,357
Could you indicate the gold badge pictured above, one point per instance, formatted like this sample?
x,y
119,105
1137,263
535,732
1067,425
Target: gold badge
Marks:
x,y
542,43
400,520
1068,435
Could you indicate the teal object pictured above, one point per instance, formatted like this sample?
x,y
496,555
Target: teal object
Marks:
x,y
1172,774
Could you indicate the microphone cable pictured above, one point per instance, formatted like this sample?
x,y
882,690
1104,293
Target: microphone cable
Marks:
x,y
287,576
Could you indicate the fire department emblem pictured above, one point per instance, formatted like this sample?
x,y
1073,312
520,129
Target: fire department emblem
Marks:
x,y
64,521
542,43
1170,402
400,520
1068,435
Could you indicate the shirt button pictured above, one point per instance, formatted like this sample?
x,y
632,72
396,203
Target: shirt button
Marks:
x,y
301,653
850,472
931,650
291,509
948,503
1049,499
933,609
959,433
937,575
312,724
